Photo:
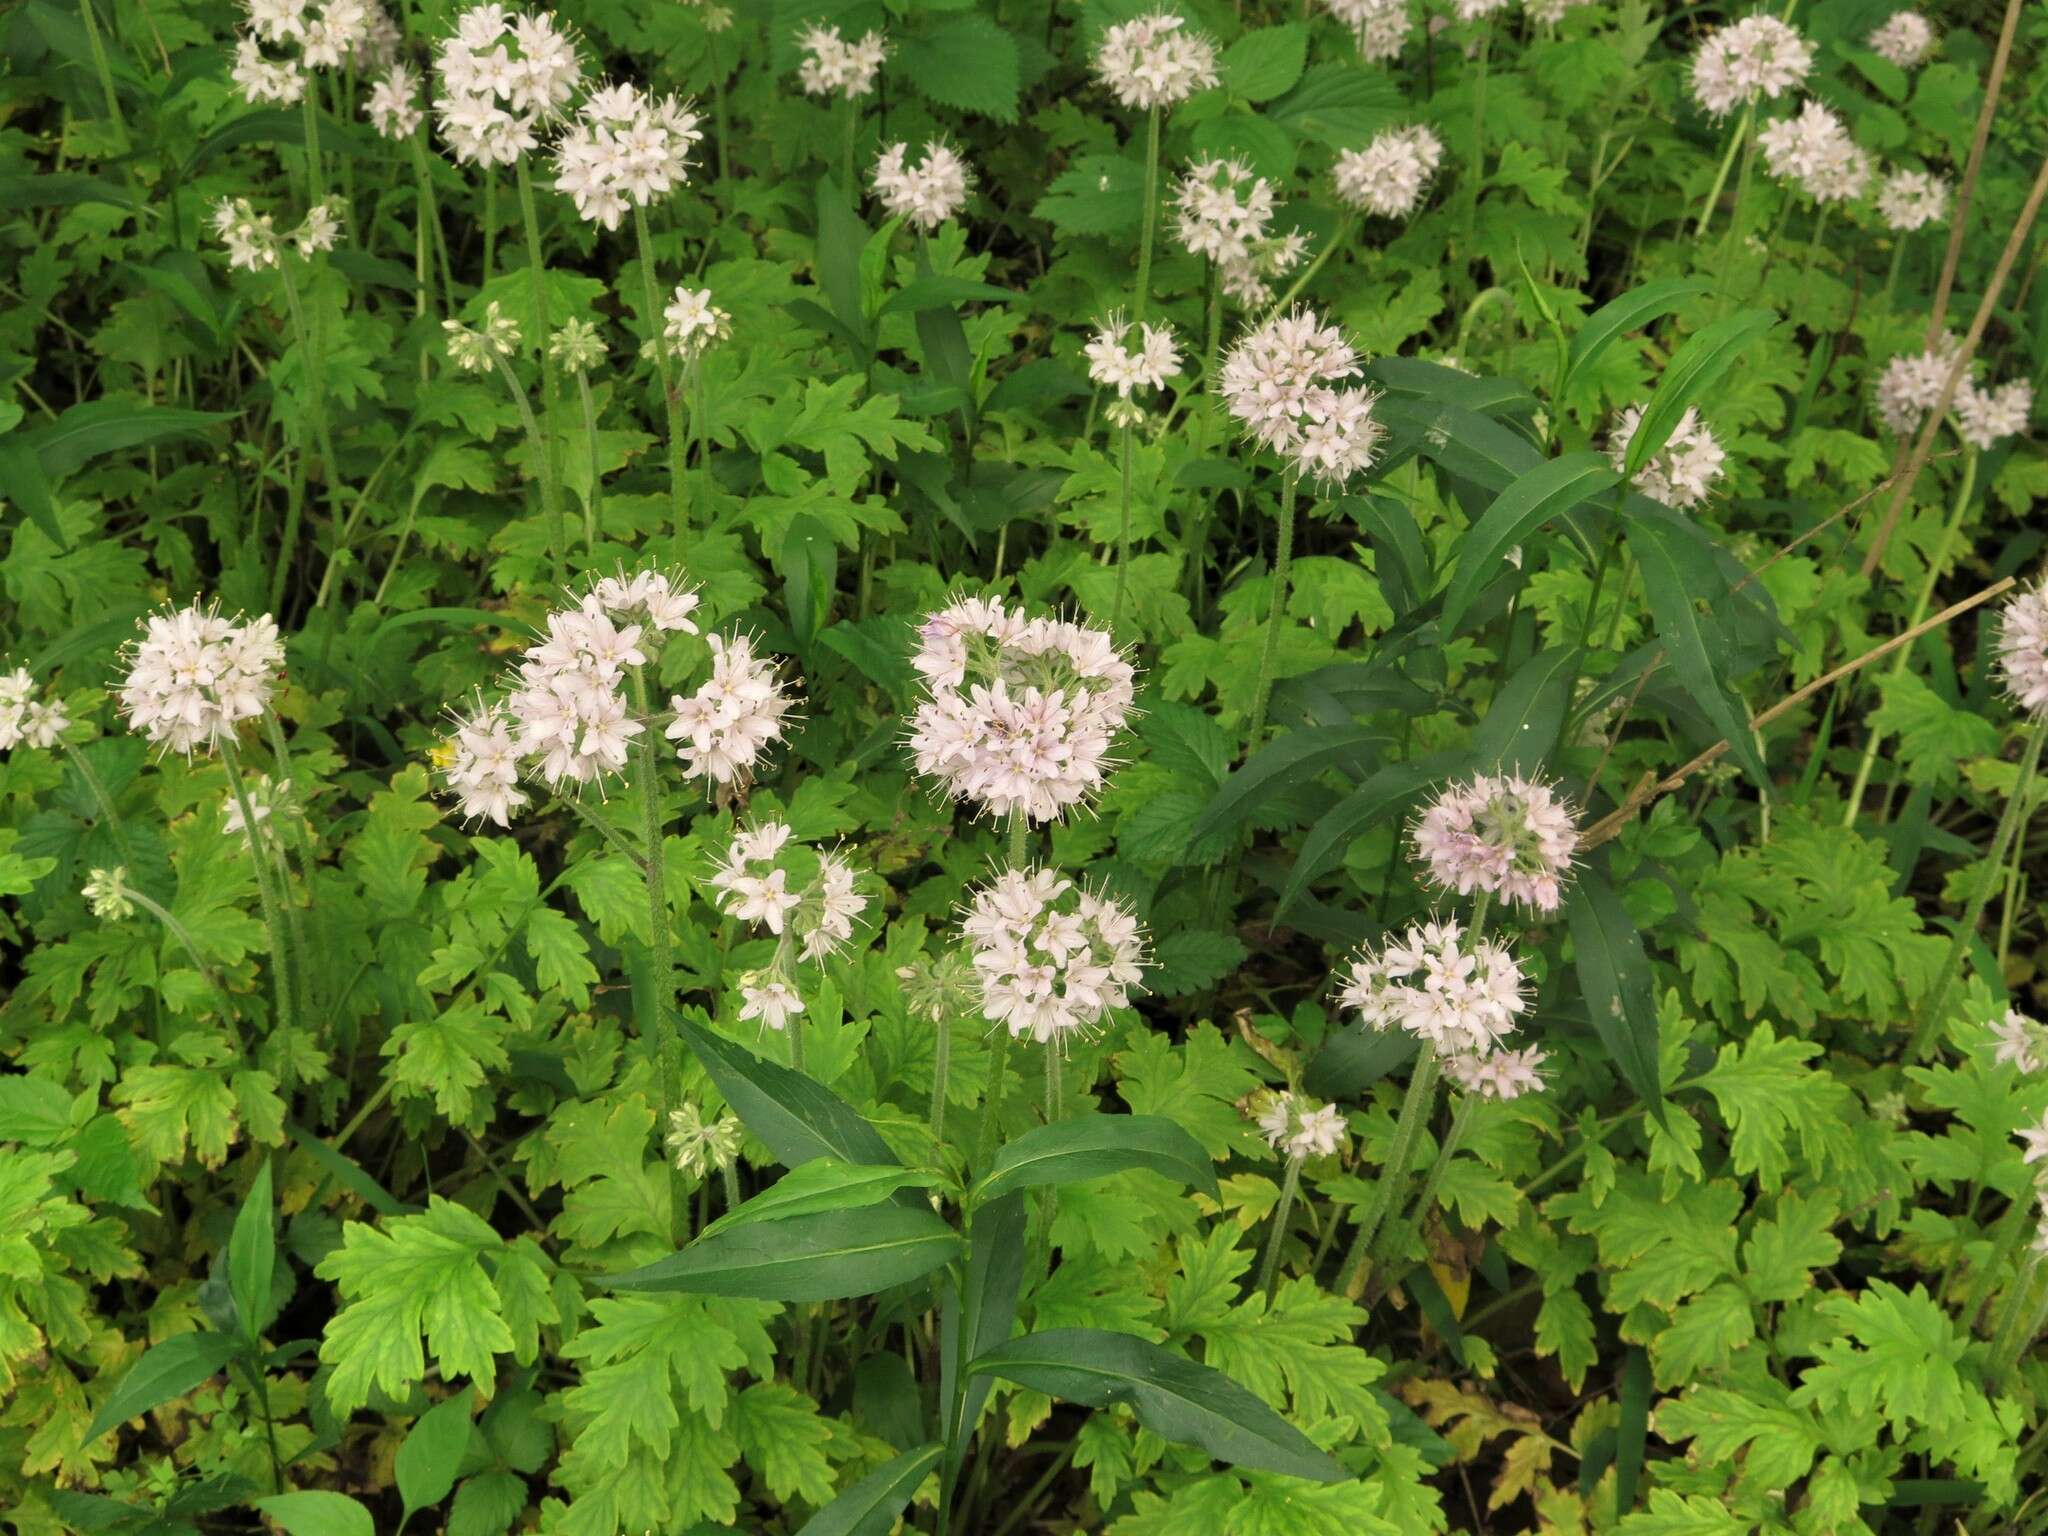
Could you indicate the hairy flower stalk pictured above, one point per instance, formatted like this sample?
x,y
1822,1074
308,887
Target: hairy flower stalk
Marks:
x,y
668,1054
492,347
1298,1131
1152,64
664,375
1114,363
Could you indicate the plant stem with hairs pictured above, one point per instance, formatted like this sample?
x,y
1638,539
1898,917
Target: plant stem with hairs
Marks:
x,y
679,502
660,969
1283,561
1151,223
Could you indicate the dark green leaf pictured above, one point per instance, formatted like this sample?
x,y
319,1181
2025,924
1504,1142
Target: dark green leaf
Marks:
x,y
1631,312
1091,1146
1263,64
978,1318
932,290
821,1257
1632,1432
1614,974
1693,370
313,1512
968,63
1295,758
1547,491
1520,727
870,1506
252,1256
1385,794
86,431
797,1116
169,1370
823,1184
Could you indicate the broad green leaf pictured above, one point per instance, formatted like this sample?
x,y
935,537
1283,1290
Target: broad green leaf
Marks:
x,y
33,1110
313,1512
1630,312
1092,1146
977,1317
825,1256
1694,369
1267,62
252,1255
1547,491
170,1369
97,427
798,1117
432,1453
968,63
1614,974
1520,728
823,1184
870,1506
1294,759
1171,1395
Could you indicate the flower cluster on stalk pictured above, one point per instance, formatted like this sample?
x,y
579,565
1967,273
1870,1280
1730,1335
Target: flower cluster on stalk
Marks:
x,y
502,74
1911,384
1456,993
1120,361
1156,60
692,324
1500,835
1052,957
1681,472
1814,152
1281,380
253,242
2023,649
924,194
1380,26
393,105
1297,1126
26,718
476,349
283,39
832,66
625,149
1910,200
1019,713
809,900
1906,39
1389,175
196,674
1758,56
1224,212
700,1145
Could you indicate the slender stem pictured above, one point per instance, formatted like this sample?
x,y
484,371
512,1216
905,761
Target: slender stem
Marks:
x,y
490,220
1269,1266
942,1071
551,504
1461,1121
1144,292
992,1101
1478,172
429,212
661,974
2008,825
1052,1084
1740,137
104,800
536,264
1283,562
183,935
1340,239
2012,1335
593,509
697,448
281,959
1891,276
1123,537
316,178
313,367
1394,1172
101,66
678,490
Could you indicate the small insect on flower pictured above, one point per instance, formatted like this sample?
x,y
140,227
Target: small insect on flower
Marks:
x,y
502,74
700,1145
195,675
1297,1126
1019,714
1116,364
928,193
1054,959
1458,996
1389,176
1279,379
478,350
624,150
832,66
2020,1042
26,718
1758,56
106,894
1911,200
1814,152
1502,835
1380,26
1681,472
693,324
393,104
2023,649
1906,39
1498,1074
1155,61
722,729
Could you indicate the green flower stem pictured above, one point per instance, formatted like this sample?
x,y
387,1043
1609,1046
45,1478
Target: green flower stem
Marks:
x,y
1891,276
1461,1121
103,800
1269,1266
490,221
316,404
1052,1084
2018,1323
316,178
660,969
1283,562
999,1059
550,501
1739,138
942,1070
593,510
1394,1172
697,448
1123,537
537,265
299,846
1151,225
1478,173
101,66
1905,652
2001,842
281,959
679,499
1336,242
183,935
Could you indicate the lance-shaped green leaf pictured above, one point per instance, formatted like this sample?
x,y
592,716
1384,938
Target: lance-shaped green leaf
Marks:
x,y
870,1506
798,1117
1693,370
1172,1396
1614,975
1294,759
171,1369
822,1257
1631,312
977,1317
1385,794
823,1184
1091,1146
252,1256
1520,728
1549,490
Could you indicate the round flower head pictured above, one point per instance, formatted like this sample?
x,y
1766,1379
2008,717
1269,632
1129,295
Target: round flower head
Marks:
x,y
1155,61
1681,472
2023,649
692,324
1911,385
767,879
2020,1042
1460,997
1906,39
1814,152
250,237
1019,714
1114,363
700,1145
393,104
501,75
195,675
1381,26
1296,1126
24,718
1497,1074
106,893
624,150
577,346
480,765
926,194
1986,417
832,66
477,350
1222,211
1389,176
1053,958
1280,379
722,729
1911,200
1507,836
1756,56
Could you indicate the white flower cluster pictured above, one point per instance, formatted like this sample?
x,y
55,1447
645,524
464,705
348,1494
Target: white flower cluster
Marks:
x,y
1155,61
1381,26
357,33
1019,713
1911,200
692,323
834,67
1280,380
477,349
1477,10
26,718
1114,363
2035,1139
1756,56
393,106
926,194
1298,1126
1224,212
1550,12
1462,998
1911,383
106,893
754,884
722,729
252,239
1052,957
1814,152
195,675
1681,472
700,1145
501,75
1906,39
1389,175
266,796
1986,417
1501,834
624,150
2021,1043
1498,1074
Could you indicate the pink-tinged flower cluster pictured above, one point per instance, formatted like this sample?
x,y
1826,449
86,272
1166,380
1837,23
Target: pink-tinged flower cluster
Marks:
x,y
1497,1074
26,718
1906,39
722,729
1114,363
1020,713
1814,152
1681,472
1502,835
1381,26
501,75
1281,381
1911,200
1758,56
832,66
1911,385
1297,1126
1155,61
1986,416
1456,995
625,150
1224,212
195,675
1389,175
2023,649
768,879
927,193
1053,958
